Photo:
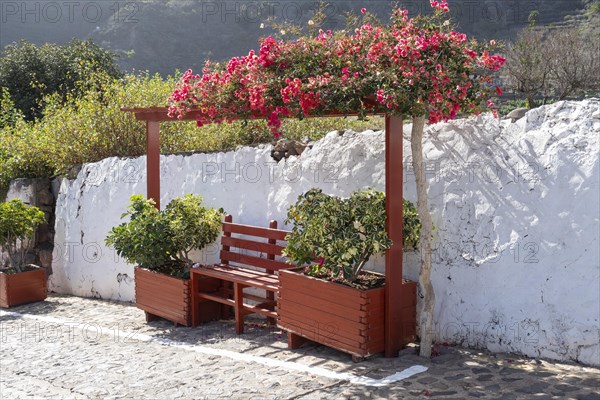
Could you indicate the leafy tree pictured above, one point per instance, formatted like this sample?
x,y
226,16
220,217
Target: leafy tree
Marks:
x,y
29,72
145,239
526,66
573,62
555,62
343,233
9,114
192,226
162,240
17,229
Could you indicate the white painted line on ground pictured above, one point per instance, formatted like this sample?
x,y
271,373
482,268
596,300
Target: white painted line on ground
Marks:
x,y
269,362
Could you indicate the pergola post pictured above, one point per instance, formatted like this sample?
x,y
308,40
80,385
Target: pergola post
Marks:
x,y
393,256
153,161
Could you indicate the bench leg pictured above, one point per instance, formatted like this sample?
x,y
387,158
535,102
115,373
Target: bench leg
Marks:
x,y
150,317
238,296
271,296
194,286
225,310
295,341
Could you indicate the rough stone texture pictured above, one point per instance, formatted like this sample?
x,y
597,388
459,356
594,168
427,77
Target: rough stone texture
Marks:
x,y
286,148
515,206
37,192
107,357
517,114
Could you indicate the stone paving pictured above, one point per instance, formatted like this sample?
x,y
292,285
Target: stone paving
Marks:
x,y
74,348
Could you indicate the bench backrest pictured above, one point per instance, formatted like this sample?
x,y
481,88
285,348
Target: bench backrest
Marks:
x,y
240,243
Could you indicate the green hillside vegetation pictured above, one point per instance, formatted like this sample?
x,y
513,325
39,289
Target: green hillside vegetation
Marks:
x,y
90,127
29,72
160,36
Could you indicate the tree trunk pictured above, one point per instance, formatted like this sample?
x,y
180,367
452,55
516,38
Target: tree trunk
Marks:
x,y
425,312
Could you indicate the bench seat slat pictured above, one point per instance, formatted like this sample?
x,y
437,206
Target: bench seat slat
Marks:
x,y
241,272
245,277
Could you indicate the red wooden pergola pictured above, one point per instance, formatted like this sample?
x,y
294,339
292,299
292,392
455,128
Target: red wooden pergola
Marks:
x,y
395,321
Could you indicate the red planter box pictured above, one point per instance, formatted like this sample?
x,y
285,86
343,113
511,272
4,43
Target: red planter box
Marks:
x,y
345,318
167,297
163,296
23,287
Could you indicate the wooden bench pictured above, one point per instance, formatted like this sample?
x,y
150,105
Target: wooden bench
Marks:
x,y
250,258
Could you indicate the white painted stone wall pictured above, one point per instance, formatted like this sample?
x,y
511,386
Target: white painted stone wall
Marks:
x,y
515,206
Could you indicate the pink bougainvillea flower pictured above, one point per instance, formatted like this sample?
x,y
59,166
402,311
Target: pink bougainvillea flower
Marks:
x,y
413,66
441,5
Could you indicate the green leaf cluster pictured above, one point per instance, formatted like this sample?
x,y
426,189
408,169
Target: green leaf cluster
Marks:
x,y
30,73
9,114
341,234
18,223
161,240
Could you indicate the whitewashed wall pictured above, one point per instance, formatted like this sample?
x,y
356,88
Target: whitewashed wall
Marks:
x,y
515,208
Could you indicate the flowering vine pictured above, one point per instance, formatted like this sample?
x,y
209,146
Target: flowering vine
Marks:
x,y
413,66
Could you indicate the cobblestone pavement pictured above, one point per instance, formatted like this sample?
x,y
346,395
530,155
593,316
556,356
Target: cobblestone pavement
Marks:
x,y
74,348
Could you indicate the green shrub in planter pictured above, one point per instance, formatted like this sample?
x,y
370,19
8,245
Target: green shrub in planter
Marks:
x,y
17,229
161,240
342,234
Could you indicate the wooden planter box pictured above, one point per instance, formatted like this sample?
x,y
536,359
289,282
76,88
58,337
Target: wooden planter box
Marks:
x,y
163,296
345,318
23,287
167,297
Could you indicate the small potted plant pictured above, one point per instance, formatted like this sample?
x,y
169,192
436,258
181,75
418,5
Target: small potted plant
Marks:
x,y
159,243
333,301
20,282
